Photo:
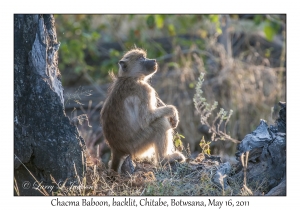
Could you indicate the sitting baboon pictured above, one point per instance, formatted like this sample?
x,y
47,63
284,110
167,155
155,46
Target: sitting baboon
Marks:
x,y
132,122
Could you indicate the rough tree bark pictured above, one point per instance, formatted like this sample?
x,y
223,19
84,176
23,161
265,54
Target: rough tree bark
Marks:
x,y
45,142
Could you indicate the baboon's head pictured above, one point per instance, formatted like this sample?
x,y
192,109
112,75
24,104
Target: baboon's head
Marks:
x,y
135,64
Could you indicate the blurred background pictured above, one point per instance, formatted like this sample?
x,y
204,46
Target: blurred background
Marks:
x,y
243,57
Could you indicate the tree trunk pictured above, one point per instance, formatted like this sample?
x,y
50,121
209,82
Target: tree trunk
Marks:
x,y
45,143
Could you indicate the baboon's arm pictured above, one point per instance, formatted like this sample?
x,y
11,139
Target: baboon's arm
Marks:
x,y
141,115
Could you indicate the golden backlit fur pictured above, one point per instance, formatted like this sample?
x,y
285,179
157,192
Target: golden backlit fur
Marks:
x,y
132,122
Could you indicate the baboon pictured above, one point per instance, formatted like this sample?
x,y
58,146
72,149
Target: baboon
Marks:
x,y
131,119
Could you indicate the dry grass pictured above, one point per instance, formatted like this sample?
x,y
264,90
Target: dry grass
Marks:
x,y
180,179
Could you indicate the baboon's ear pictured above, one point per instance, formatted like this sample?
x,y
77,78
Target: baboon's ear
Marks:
x,y
123,65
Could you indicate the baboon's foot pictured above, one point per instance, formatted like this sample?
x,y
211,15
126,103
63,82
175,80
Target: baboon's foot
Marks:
x,y
172,158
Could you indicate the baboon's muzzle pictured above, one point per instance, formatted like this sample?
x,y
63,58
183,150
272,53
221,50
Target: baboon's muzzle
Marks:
x,y
150,64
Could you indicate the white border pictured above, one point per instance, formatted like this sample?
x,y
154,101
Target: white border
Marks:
x,y
155,6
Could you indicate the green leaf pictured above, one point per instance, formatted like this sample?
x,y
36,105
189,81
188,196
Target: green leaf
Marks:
x,y
159,21
202,142
268,52
150,21
95,36
171,29
191,85
269,32
219,30
178,143
114,53
257,19
214,18
208,151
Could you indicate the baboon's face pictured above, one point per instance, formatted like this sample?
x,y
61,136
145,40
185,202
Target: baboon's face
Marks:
x,y
135,64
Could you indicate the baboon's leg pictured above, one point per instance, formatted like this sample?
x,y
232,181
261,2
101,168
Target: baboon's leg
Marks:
x,y
162,138
117,160
163,141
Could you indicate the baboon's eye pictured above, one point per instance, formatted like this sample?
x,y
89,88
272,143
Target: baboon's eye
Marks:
x,y
142,58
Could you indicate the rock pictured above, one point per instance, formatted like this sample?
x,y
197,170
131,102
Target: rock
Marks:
x,y
220,177
267,154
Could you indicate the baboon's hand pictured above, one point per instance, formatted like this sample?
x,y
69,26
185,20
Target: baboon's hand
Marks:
x,y
174,119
